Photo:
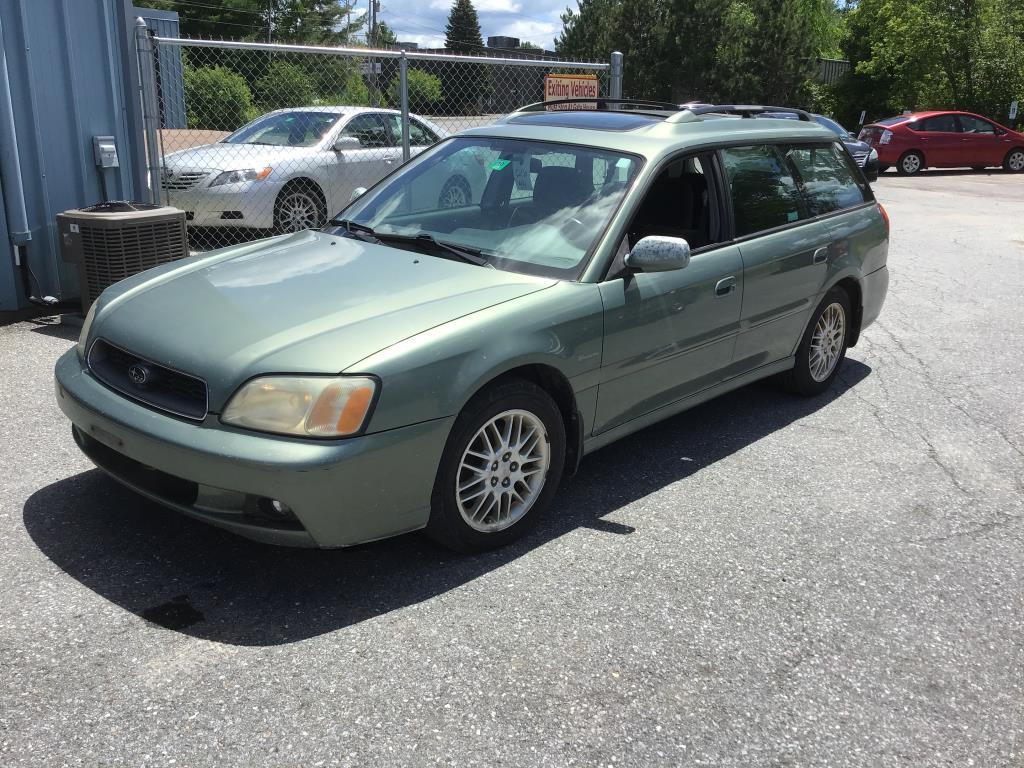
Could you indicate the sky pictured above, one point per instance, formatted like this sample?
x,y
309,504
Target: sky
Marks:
x,y
423,21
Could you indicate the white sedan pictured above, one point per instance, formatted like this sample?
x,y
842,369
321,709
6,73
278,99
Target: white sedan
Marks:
x,y
292,169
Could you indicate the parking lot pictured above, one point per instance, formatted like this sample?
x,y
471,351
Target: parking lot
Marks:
x,y
762,581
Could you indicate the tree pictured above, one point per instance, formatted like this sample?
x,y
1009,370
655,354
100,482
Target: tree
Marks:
x,y
323,22
462,33
469,84
934,54
383,36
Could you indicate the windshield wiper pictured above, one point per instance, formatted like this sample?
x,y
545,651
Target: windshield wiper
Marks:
x,y
462,252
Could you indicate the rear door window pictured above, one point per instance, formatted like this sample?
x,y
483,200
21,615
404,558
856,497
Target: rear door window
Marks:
x,y
763,190
826,175
938,124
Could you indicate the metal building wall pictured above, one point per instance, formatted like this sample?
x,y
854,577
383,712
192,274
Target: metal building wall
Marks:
x,y
67,66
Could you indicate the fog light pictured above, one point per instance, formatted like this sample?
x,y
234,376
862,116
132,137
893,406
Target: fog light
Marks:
x,y
276,509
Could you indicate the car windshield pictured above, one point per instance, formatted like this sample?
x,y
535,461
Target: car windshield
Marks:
x,y
525,206
286,129
832,125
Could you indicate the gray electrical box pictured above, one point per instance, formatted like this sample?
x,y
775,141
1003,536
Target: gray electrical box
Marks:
x,y
105,150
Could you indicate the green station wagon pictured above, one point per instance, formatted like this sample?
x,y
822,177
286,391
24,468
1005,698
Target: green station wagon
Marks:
x,y
414,366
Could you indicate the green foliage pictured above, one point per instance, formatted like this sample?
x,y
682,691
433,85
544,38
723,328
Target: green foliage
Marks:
x,y
217,98
323,22
284,85
934,54
721,50
424,91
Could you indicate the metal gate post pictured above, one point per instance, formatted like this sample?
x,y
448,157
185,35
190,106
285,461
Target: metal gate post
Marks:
x,y
403,87
146,50
615,80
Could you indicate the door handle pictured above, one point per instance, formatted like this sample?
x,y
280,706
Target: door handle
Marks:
x,y
725,286
821,255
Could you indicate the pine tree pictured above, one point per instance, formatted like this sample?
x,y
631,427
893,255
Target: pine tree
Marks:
x,y
466,85
462,33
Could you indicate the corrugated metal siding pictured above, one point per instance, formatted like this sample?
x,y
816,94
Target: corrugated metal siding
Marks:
x,y
65,60
172,88
831,71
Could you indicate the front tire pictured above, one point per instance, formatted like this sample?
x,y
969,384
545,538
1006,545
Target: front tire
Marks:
x,y
500,468
299,206
822,347
910,163
1014,162
455,193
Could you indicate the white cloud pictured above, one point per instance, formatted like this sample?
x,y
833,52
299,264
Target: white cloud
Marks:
x,y
423,21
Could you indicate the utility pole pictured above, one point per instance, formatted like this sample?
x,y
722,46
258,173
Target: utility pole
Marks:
x,y
371,39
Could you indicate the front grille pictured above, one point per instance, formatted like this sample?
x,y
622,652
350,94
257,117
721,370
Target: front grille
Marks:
x,y
861,158
182,180
151,383
114,253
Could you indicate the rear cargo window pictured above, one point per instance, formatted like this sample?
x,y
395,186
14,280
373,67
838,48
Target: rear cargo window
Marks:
x,y
764,193
826,175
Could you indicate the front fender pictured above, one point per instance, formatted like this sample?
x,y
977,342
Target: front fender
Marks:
x,y
433,374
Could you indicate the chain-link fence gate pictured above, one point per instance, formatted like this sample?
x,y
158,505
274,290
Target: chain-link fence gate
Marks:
x,y
277,137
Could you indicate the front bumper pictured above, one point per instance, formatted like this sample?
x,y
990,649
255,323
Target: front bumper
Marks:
x,y
207,206
342,492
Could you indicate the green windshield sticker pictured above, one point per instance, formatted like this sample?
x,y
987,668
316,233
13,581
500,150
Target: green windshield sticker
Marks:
x,y
497,165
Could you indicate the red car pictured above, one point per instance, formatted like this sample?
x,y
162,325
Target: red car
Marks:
x,y
944,140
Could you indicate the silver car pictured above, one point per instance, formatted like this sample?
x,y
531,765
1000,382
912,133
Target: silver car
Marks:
x,y
291,168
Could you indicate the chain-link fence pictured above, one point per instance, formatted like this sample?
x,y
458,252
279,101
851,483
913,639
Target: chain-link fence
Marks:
x,y
278,137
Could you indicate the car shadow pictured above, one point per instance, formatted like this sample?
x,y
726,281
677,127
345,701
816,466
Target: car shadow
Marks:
x,y
993,171
193,578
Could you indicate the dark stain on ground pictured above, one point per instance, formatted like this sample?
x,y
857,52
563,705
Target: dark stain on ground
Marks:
x,y
177,613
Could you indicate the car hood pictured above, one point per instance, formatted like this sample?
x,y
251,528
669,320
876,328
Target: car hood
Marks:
x,y
304,303
856,145
232,157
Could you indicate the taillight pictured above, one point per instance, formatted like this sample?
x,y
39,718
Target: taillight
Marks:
x,y
885,216
886,137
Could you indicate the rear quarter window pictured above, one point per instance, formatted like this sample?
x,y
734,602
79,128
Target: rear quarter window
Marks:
x,y
826,176
764,192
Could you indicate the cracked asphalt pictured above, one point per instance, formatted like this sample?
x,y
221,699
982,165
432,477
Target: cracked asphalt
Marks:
x,y
763,581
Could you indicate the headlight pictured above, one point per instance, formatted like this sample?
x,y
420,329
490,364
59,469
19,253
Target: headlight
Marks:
x,y
236,177
83,337
873,154
307,406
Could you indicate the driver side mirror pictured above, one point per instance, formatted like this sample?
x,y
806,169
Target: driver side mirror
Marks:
x,y
346,142
656,253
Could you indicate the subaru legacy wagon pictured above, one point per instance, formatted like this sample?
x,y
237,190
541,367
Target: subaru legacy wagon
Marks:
x,y
418,366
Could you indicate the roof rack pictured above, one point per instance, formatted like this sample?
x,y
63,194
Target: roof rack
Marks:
x,y
746,110
630,105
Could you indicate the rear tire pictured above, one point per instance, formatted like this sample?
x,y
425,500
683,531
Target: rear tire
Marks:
x,y
822,347
910,163
1014,162
500,468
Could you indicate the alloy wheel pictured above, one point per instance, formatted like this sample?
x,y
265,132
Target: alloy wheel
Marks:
x,y
453,196
1015,161
502,471
827,341
911,164
298,211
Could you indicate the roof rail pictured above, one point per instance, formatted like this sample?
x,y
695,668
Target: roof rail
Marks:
x,y
603,103
746,110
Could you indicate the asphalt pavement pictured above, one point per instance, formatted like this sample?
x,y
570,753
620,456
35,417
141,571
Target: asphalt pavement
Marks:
x,y
763,581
